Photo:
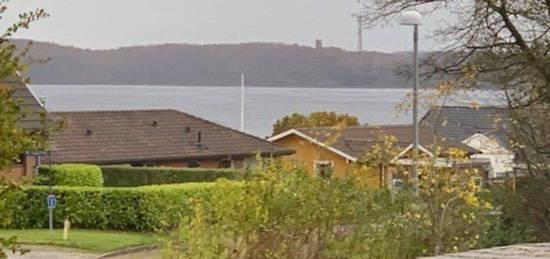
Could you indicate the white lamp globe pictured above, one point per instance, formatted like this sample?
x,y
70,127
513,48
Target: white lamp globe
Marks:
x,y
411,18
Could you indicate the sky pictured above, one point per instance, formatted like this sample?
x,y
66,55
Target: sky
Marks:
x,y
105,24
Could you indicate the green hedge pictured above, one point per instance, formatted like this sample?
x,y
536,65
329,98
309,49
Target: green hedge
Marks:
x,y
149,208
127,176
70,175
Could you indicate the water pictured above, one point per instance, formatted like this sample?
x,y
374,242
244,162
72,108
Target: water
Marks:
x,y
264,105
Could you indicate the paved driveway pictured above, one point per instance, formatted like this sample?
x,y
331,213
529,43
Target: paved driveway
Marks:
x,y
51,252
523,251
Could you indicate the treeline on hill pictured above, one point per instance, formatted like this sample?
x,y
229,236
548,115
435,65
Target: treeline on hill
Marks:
x,y
266,64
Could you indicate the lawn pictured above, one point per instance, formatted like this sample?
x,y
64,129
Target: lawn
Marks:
x,y
91,240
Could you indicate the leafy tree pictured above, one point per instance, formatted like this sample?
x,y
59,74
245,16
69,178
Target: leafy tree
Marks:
x,y
314,119
286,213
281,212
447,207
503,44
14,140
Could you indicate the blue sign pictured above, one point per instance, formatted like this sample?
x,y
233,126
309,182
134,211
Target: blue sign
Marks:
x,y
52,201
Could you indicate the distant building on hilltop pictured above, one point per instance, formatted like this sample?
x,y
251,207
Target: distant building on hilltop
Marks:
x,y
318,44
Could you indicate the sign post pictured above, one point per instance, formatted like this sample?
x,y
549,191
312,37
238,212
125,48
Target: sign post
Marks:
x,y
52,203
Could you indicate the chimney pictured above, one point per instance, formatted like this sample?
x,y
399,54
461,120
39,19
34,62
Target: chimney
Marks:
x,y
88,132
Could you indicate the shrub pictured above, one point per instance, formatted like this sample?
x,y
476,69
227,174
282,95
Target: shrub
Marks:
x,y
126,176
151,208
286,213
525,216
71,175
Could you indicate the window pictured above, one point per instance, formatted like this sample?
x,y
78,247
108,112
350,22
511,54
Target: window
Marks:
x,y
193,164
479,181
323,168
226,163
397,183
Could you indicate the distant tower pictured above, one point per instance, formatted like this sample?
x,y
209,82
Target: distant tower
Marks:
x,y
318,44
359,18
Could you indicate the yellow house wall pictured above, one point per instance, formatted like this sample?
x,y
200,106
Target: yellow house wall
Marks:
x,y
307,152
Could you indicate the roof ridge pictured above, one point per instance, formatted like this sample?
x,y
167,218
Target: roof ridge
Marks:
x,y
364,126
231,129
121,110
469,107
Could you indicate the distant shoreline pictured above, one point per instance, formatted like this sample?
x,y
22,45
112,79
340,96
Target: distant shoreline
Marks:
x,y
249,86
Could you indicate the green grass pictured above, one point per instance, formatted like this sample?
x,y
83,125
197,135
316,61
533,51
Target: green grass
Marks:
x,y
96,241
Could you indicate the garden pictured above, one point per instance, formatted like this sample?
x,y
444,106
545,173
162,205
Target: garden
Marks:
x,y
109,208
274,210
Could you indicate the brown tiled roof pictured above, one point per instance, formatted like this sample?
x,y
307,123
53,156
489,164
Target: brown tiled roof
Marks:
x,y
105,137
355,140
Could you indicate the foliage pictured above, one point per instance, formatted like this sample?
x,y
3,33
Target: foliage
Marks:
x,y
71,175
505,41
286,213
503,44
149,208
314,119
525,213
497,43
447,204
504,230
14,140
454,215
9,195
98,241
126,176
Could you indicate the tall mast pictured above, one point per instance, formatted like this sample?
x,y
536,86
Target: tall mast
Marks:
x,y
242,102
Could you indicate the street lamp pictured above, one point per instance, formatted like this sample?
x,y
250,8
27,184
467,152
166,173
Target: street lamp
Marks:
x,y
414,18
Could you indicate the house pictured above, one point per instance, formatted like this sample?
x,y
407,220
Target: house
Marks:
x,y
324,149
153,138
483,128
35,120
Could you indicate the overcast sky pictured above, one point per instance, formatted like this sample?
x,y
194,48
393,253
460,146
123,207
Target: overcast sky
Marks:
x,y
101,24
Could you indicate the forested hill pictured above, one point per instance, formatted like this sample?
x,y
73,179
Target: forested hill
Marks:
x,y
265,64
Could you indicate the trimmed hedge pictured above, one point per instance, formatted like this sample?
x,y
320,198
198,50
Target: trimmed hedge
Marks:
x,y
127,176
149,208
71,175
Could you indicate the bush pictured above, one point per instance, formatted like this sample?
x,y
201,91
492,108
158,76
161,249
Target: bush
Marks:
x,y
151,208
525,215
126,176
71,175
286,213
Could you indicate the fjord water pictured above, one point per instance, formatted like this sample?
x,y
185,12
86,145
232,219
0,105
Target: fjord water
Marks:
x,y
263,105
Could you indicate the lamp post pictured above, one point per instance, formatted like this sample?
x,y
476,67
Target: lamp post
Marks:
x,y
414,18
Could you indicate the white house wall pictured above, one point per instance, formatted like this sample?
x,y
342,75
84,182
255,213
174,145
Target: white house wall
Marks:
x,y
501,158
